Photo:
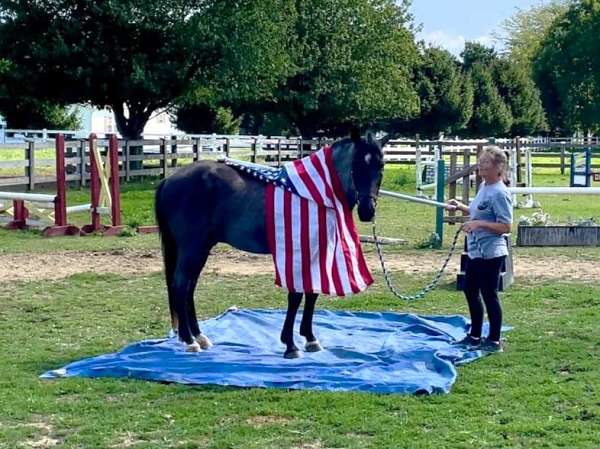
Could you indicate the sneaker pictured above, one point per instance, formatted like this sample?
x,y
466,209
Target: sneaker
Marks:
x,y
490,346
468,341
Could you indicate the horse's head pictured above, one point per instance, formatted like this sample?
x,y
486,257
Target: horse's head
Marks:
x,y
367,173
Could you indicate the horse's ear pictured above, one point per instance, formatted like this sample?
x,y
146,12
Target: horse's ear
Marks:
x,y
355,134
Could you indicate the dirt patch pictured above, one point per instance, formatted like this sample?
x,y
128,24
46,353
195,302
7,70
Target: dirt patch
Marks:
x,y
58,265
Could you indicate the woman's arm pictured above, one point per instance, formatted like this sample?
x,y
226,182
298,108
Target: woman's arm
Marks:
x,y
496,228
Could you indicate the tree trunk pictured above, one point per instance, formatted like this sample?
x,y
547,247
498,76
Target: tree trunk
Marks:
x,y
132,128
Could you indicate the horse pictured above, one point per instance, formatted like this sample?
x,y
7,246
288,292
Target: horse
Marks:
x,y
210,202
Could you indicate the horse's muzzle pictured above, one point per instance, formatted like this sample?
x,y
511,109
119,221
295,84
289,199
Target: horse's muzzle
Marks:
x,y
366,208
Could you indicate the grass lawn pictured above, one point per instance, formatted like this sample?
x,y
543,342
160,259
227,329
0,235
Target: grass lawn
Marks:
x,y
543,392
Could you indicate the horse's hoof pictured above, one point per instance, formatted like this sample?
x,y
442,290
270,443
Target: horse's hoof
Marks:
x,y
293,354
193,347
313,346
204,341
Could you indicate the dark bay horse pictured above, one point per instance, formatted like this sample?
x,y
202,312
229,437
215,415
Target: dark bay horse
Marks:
x,y
210,202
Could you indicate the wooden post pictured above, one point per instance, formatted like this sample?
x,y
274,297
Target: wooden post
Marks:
x,y
562,161
254,150
518,151
452,185
196,149
278,152
478,179
467,179
163,158
115,191
82,164
439,196
126,157
226,146
174,150
60,203
30,170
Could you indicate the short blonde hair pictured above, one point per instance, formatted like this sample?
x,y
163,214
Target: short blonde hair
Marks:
x,y
497,157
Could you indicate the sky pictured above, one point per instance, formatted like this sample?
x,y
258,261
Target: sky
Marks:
x,y
449,23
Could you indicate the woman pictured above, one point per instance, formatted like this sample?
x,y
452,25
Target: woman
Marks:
x,y
490,216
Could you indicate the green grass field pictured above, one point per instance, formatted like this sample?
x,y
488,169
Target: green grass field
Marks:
x,y
543,392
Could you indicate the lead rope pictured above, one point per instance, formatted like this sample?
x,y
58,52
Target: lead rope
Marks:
x,y
433,284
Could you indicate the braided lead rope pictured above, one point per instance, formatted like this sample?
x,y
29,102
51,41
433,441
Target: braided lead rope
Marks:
x,y
433,284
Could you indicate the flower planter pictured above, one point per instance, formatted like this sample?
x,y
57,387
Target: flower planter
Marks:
x,y
558,235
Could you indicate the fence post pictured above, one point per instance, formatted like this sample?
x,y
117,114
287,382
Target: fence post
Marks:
x,y
518,151
126,156
196,149
115,191
253,157
30,170
174,150
163,157
226,146
478,179
278,152
452,186
82,164
467,179
439,211
562,161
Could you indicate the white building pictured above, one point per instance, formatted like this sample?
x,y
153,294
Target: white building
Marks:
x,y
102,121
93,120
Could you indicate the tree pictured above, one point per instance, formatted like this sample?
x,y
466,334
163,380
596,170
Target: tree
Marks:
x,y
491,115
139,56
522,33
507,101
203,119
445,94
353,61
567,69
476,53
522,96
28,113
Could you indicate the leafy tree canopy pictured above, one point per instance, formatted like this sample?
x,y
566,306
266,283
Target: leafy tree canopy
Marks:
x,y
567,69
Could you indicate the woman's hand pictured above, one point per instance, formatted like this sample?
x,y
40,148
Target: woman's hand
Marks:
x,y
453,205
471,225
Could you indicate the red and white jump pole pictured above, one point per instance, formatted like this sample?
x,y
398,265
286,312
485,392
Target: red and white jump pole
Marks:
x,y
59,201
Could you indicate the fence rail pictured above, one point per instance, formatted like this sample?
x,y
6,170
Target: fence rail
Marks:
x,y
160,157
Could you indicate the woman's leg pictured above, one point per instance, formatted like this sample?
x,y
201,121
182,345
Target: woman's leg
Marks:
x,y
490,279
471,290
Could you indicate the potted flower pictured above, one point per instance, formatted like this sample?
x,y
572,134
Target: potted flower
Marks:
x,y
539,230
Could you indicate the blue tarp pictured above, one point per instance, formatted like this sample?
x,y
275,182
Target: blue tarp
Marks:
x,y
364,351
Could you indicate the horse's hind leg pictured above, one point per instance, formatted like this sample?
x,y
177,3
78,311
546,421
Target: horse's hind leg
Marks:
x,y
287,334
306,327
189,265
200,338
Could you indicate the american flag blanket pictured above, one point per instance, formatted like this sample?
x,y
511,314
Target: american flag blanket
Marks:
x,y
310,227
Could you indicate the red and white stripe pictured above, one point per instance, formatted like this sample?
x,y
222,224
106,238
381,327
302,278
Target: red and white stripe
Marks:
x,y
312,235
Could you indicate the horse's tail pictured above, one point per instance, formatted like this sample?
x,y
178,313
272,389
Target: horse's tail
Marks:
x,y
169,247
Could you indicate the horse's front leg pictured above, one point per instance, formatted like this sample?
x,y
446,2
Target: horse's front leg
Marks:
x,y
287,334
312,344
